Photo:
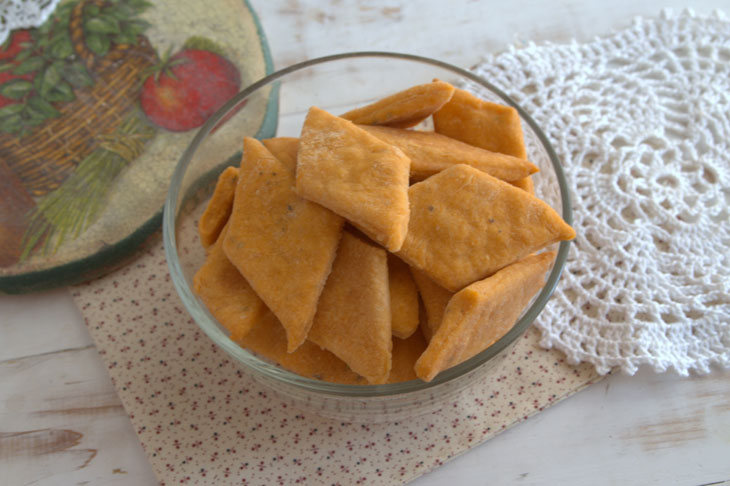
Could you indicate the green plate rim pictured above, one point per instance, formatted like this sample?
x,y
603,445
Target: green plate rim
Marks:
x,y
114,256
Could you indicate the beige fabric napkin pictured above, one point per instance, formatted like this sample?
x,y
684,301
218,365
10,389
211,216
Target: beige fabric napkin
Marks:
x,y
202,420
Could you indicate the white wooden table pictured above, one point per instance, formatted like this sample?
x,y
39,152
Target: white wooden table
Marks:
x,y
62,423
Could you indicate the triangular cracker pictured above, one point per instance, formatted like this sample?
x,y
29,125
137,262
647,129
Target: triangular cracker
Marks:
x,y
268,339
434,298
483,312
431,152
403,298
282,244
359,177
405,108
226,294
466,225
486,125
353,316
216,214
285,149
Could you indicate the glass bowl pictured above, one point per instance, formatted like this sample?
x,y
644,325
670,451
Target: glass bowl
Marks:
x,y
276,106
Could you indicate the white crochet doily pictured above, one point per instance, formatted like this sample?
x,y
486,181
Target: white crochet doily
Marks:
x,y
23,14
641,123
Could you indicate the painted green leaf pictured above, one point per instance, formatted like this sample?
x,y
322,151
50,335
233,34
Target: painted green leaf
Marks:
x,y
48,79
42,106
65,7
120,12
77,75
41,31
54,97
23,55
140,5
31,115
43,42
102,25
30,65
6,66
38,83
64,17
52,78
91,10
13,109
63,13
125,38
11,124
62,91
199,42
98,43
16,89
52,74
62,48
35,119
137,26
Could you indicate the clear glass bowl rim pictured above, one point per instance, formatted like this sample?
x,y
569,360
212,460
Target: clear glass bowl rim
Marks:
x,y
241,355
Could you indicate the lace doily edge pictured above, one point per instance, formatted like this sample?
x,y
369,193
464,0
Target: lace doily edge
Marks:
x,y
682,365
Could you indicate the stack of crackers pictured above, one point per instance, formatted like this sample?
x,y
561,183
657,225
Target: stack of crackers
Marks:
x,y
367,252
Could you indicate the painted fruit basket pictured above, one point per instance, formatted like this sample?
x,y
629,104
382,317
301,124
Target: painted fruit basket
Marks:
x,y
93,120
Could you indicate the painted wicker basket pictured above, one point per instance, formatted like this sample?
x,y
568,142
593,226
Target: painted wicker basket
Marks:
x,y
43,158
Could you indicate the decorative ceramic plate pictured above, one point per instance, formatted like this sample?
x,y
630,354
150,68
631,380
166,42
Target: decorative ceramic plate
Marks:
x,y
96,107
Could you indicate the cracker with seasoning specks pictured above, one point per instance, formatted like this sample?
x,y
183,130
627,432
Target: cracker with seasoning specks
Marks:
x,y
465,225
282,244
226,294
480,314
353,316
356,175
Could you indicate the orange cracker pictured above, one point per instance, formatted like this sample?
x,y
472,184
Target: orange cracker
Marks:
x,y
431,152
282,244
466,225
434,298
285,149
486,125
219,207
226,293
405,354
483,312
353,316
356,175
405,108
403,298
268,339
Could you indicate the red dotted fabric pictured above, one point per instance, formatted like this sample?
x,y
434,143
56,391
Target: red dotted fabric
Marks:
x,y
202,420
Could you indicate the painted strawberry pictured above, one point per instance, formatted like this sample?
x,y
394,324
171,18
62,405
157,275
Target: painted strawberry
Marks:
x,y
16,43
187,88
